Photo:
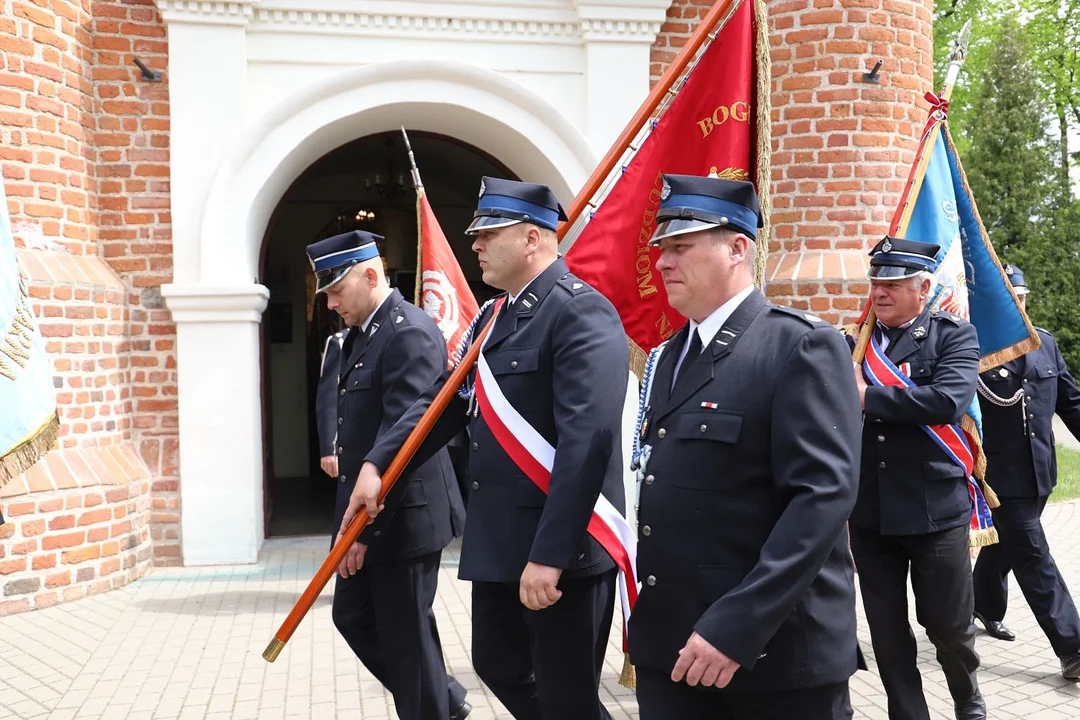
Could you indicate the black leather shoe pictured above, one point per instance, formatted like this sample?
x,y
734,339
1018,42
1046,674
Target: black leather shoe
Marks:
x,y
1070,666
973,709
462,712
996,628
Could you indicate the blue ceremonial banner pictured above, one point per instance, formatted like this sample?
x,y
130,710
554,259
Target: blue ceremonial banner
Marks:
x,y
970,280
28,422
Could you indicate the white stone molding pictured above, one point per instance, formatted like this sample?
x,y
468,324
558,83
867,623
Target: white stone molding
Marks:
x,y
207,12
209,304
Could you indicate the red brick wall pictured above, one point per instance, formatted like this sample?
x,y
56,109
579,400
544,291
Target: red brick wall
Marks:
x,y
84,155
132,136
76,526
842,148
47,121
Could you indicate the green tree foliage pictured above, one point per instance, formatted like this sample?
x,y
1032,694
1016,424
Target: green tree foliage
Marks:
x,y
1012,159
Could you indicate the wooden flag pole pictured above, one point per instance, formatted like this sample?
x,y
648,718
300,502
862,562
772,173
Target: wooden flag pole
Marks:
x,y
389,477
662,87
457,377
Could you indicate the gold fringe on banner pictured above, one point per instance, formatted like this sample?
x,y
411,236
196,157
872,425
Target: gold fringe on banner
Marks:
x,y
26,454
1023,347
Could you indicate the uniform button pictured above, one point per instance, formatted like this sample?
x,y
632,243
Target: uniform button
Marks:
x,y
378,533
703,428
649,479
581,556
1031,416
475,447
340,450
475,485
340,420
1025,380
881,464
342,478
646,531
513,363
661,433
881,438
650,581
343,393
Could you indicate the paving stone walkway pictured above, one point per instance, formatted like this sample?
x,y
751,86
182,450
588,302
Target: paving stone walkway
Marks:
x,y
187,643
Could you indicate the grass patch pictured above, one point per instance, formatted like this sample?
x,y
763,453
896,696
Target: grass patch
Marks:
x,y
1068,487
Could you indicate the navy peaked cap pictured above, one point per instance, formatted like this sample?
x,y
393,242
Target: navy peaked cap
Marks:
x,y
333,257
689,203
508,202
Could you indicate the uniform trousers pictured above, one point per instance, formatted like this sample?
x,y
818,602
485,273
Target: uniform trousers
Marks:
x,y
545,664
661,699
1023,548
941,579
385,614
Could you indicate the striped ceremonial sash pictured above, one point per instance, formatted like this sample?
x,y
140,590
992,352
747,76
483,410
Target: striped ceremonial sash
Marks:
x,y
535,457
880,371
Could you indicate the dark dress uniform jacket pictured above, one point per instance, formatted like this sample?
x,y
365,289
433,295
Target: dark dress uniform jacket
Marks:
x,y
326,394
560,356
908,485
742,512
1020,457
383,371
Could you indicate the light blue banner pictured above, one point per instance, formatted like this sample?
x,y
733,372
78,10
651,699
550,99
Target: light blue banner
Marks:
x,y
27,398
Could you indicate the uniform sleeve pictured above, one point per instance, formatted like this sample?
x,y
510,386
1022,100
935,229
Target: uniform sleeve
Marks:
x,y
591,362
411,366
816,433
1068,396
949,393
326,398
391,438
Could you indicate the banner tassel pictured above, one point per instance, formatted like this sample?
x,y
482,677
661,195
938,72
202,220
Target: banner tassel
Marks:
x,y
628,676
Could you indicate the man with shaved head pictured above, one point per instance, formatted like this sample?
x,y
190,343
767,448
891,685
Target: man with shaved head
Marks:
x,y
383,598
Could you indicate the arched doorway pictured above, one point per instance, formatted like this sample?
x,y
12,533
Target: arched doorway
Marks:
x,y
217,298
364,184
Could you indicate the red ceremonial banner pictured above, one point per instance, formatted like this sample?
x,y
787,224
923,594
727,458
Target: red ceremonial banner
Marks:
x,y
442,291
710,127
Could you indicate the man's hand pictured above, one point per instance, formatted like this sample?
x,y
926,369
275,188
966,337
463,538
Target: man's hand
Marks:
x,y
539,586
365,494
329,465
700,662
860,383
353,560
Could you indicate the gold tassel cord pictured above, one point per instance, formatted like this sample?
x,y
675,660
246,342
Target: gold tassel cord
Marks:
x,y
628,676
763,115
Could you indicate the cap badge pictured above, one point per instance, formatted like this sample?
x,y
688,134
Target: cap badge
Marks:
x,y
886,247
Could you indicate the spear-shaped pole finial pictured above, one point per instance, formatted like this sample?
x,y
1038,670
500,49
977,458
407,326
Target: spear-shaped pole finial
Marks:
x,y
412,161
957,56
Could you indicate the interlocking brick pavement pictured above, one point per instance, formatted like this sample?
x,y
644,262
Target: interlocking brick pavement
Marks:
x,y
187,643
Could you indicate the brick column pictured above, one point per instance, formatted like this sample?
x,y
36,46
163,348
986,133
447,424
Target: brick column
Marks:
x,y
842,147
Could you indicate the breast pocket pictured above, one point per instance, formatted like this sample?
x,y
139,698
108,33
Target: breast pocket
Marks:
x,y
705,438
358,380
1046,372
514,361
921,371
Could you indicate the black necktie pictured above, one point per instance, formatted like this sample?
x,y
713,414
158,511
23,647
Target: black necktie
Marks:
x,y
692,355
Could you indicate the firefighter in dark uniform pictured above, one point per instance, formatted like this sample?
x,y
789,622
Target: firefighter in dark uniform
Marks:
x,y
750,442
543,590
913,510
1019,400
383,598
326,401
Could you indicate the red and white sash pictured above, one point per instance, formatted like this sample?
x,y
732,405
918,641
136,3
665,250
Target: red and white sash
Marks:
x,y
535,457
